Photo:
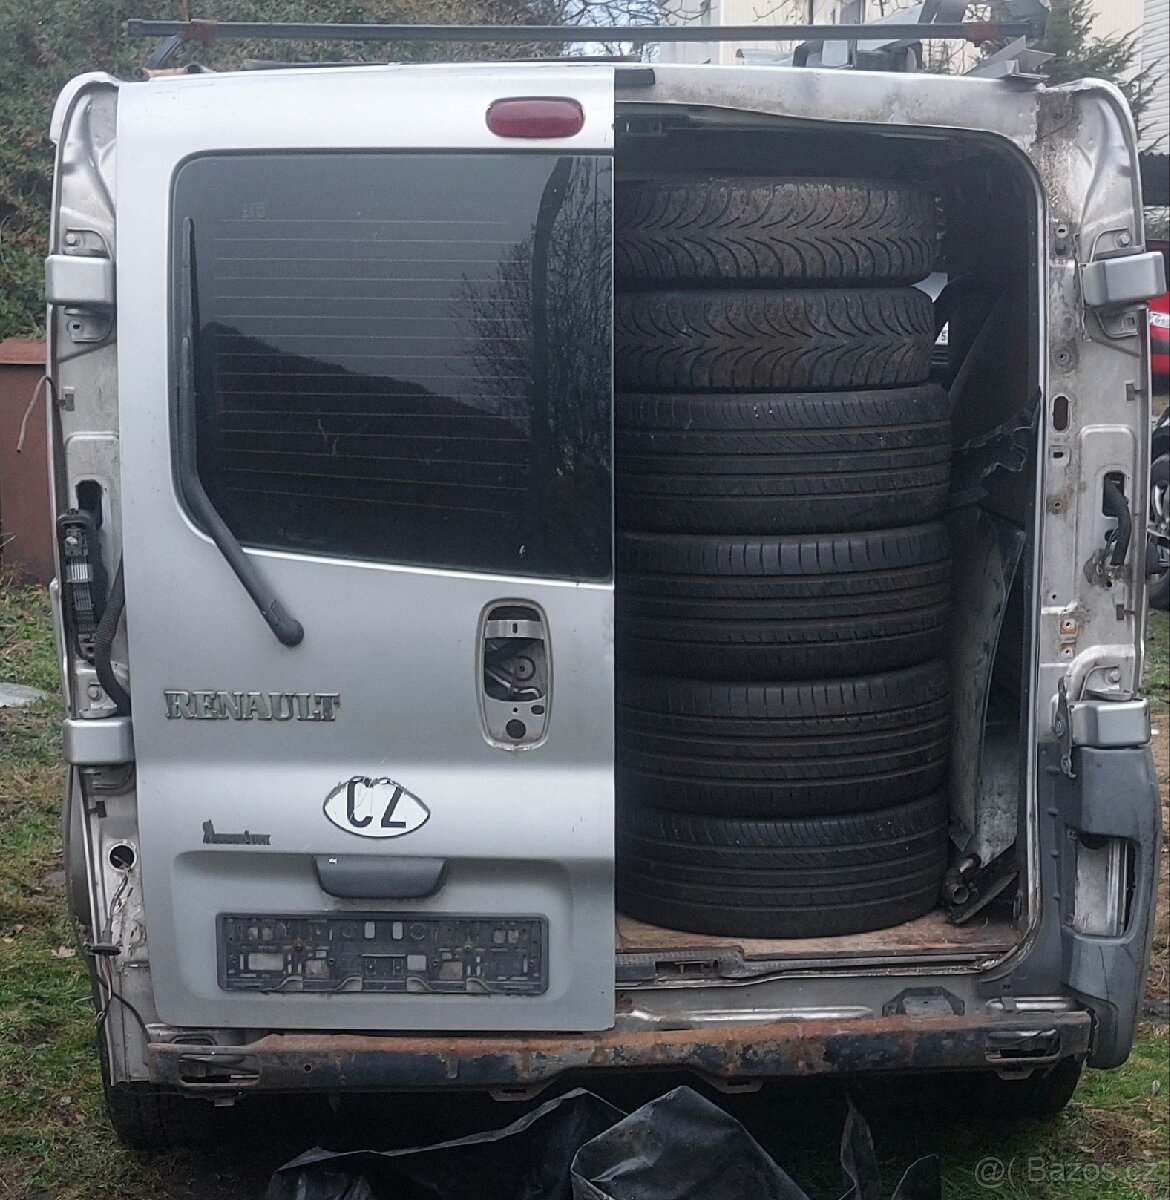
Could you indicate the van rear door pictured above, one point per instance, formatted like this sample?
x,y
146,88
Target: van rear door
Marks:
x,y
366,398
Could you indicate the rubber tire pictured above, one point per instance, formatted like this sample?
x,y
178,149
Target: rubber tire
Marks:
x,y
1039,1096
145,1117
1158,586
750,341
781,607
773,230
799,878
762,464
785,749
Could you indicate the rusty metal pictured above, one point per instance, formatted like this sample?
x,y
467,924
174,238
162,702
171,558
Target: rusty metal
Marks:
x,y
324,1062
26,529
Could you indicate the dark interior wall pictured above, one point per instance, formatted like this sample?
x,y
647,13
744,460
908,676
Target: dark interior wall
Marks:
x,y
26,541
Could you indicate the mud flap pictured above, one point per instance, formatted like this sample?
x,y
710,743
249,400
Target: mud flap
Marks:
x,y
1114,795
579,1147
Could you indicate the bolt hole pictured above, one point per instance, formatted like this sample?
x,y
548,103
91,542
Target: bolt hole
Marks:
x,y
1058,454
308,1067
122,857
1060,405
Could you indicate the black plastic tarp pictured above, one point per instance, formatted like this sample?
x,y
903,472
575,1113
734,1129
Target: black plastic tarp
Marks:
x,y
680,1146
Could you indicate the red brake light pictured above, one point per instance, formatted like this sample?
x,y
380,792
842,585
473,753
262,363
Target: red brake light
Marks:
x,y
535,117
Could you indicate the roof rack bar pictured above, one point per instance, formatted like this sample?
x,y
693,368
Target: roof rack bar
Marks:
x,y
206,32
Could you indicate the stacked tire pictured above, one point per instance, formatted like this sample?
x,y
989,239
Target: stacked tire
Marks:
x,y
783,575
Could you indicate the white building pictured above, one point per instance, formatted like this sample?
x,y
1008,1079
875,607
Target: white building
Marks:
x,y
1155,49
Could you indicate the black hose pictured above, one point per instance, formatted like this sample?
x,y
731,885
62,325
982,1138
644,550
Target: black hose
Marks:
x,y
1115,505
103,645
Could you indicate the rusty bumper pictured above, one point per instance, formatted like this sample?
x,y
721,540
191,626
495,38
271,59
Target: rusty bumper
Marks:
x,y
738,1053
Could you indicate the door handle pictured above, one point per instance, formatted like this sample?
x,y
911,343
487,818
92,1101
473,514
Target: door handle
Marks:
x,y
379,876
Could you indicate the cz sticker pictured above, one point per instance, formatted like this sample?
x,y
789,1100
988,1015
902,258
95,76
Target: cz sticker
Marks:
x,y
375,808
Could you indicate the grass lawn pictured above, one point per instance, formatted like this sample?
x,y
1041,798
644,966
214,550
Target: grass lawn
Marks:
x,y
1111,1142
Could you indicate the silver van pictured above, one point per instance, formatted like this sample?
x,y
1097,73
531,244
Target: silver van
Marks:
x,y
372,386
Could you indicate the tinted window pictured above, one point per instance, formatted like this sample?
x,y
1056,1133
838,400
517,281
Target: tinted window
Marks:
x,y
406,357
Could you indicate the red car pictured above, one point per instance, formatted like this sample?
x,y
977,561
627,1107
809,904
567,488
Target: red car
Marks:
x,y
1160,329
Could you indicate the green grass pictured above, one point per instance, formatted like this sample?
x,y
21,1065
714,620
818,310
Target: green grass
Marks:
x,y
1110,1144
1157,673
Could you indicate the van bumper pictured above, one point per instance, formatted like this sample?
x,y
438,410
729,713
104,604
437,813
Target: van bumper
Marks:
x,y
1007,1042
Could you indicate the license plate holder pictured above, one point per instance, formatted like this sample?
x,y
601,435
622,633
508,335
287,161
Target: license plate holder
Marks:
x,y
383,952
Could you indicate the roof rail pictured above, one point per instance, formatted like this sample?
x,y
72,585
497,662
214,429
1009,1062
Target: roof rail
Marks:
x,y
205,33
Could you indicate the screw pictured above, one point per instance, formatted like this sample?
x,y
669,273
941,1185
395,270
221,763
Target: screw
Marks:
x,y
71,239
1115,675
1123,239
1059,727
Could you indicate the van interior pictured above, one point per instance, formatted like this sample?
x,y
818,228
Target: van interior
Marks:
x,y
987,309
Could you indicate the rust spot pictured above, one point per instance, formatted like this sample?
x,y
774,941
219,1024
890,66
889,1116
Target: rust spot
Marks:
x,y
750,1051
978,32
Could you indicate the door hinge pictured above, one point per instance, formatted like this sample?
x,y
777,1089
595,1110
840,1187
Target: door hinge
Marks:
x,y
1127,279
80,282
1103,720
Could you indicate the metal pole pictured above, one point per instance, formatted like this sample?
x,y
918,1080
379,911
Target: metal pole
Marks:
x,y
207,32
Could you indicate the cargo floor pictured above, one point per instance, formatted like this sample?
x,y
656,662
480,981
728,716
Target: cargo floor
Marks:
x,y
929,935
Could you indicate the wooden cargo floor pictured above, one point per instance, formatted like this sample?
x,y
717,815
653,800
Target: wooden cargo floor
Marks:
x,y
926,935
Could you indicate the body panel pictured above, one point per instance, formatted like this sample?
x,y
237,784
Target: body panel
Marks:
x,y
395,646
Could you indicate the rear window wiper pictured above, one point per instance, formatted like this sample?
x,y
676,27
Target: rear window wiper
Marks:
x,y
287,628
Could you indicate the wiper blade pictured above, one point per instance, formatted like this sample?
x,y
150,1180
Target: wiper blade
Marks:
x,y
288,630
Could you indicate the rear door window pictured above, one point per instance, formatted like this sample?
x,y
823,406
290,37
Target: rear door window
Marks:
x,y
406,357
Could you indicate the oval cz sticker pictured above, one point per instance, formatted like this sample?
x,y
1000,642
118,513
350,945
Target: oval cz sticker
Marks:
x,y
377,808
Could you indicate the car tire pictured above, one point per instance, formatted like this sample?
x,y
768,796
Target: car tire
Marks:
x,y
765,464
773,230
145,1117
1158,583
1041,1095
782,749
814,877
781,607
815,339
